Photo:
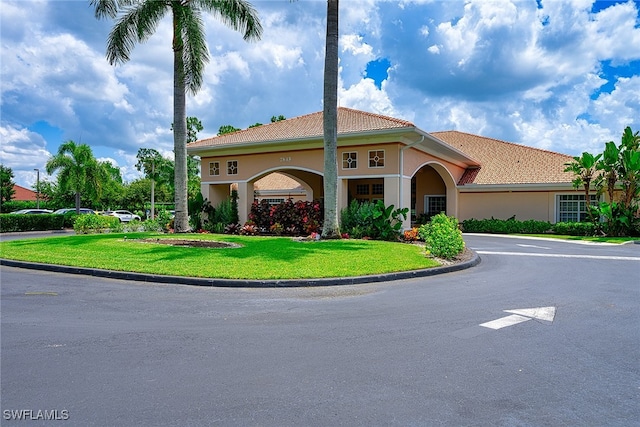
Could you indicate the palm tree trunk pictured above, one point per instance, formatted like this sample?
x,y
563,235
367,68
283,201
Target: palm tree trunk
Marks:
x,y
181,221
330,124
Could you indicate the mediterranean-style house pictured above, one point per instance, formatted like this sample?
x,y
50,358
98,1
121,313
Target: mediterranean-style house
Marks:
x,y
388,159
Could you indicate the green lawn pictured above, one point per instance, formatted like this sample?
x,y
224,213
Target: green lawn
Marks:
x,y
257,258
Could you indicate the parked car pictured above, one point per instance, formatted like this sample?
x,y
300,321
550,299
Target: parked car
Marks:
x,y
83,211
32,211
124,216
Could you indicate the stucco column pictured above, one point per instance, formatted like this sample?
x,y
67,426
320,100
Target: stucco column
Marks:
x,y
215,193
405,201
343,195
245,200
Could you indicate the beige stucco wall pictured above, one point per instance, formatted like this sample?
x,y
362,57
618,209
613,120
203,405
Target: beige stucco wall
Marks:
x,y
524,205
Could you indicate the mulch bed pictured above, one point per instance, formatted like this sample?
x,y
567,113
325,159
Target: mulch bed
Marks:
x,y
191,243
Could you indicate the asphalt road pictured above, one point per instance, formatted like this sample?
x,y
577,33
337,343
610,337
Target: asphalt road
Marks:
x,y
409,353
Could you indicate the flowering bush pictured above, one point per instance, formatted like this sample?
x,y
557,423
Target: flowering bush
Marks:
x,y
289,217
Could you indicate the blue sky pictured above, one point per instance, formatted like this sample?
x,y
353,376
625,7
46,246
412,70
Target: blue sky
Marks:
x,y
562,75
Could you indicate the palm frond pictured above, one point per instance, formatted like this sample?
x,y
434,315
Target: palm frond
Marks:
x,y
239,15
194,49
136,25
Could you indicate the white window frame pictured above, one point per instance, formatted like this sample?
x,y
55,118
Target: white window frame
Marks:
x,y
214,174
354,162
426,202
594,199
237,167
369,159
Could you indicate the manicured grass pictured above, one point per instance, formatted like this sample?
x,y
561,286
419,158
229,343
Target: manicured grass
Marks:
x,y
257,258
584,238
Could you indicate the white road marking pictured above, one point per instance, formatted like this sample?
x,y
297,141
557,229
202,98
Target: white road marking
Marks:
x,y
503,322
532,246
541,313
522,315
613,258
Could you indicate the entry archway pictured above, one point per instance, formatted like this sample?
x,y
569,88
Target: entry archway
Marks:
x,y
433,190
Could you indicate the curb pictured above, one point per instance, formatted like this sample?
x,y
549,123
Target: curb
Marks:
x,y
233,283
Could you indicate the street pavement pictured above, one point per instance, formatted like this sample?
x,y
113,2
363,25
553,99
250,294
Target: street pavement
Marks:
x,y
106,352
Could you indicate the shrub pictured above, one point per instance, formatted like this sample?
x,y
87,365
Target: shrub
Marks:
x,y
574,228
40,222
294,218
508,226
442,236
86,224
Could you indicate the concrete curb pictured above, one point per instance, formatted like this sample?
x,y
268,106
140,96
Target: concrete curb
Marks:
x,y
232,283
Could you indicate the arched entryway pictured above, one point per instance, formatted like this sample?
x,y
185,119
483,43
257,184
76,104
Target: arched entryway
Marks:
x,y
310,187
433,191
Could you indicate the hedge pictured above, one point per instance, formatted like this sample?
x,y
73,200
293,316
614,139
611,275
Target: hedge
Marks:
x,y
508,226
40,222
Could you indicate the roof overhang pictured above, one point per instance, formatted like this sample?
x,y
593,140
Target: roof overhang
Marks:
x,y
481,188
413,136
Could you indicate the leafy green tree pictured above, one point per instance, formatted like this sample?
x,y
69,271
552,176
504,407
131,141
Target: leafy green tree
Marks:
x,y
330,124
6,184
112,188
225,129
78,171
278,119
137,20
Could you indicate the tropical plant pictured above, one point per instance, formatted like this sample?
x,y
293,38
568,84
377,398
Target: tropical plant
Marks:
x,y
137,20
330,124
78,171
372,220
620,166
584,169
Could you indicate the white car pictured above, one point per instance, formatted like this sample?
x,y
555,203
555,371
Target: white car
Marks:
x,y
32,211
124,216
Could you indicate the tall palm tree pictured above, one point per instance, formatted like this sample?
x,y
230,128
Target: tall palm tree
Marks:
x,y
138,20
78,169
330,124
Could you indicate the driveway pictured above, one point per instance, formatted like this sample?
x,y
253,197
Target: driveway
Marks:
x,y
409,352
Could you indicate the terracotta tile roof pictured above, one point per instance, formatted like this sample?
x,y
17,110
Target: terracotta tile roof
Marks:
x,y
277,181
507,163
22,193
308,126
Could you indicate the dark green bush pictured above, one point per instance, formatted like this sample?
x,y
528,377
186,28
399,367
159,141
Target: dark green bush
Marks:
x,y
574,228
373,220
509,226
40,222
442,236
